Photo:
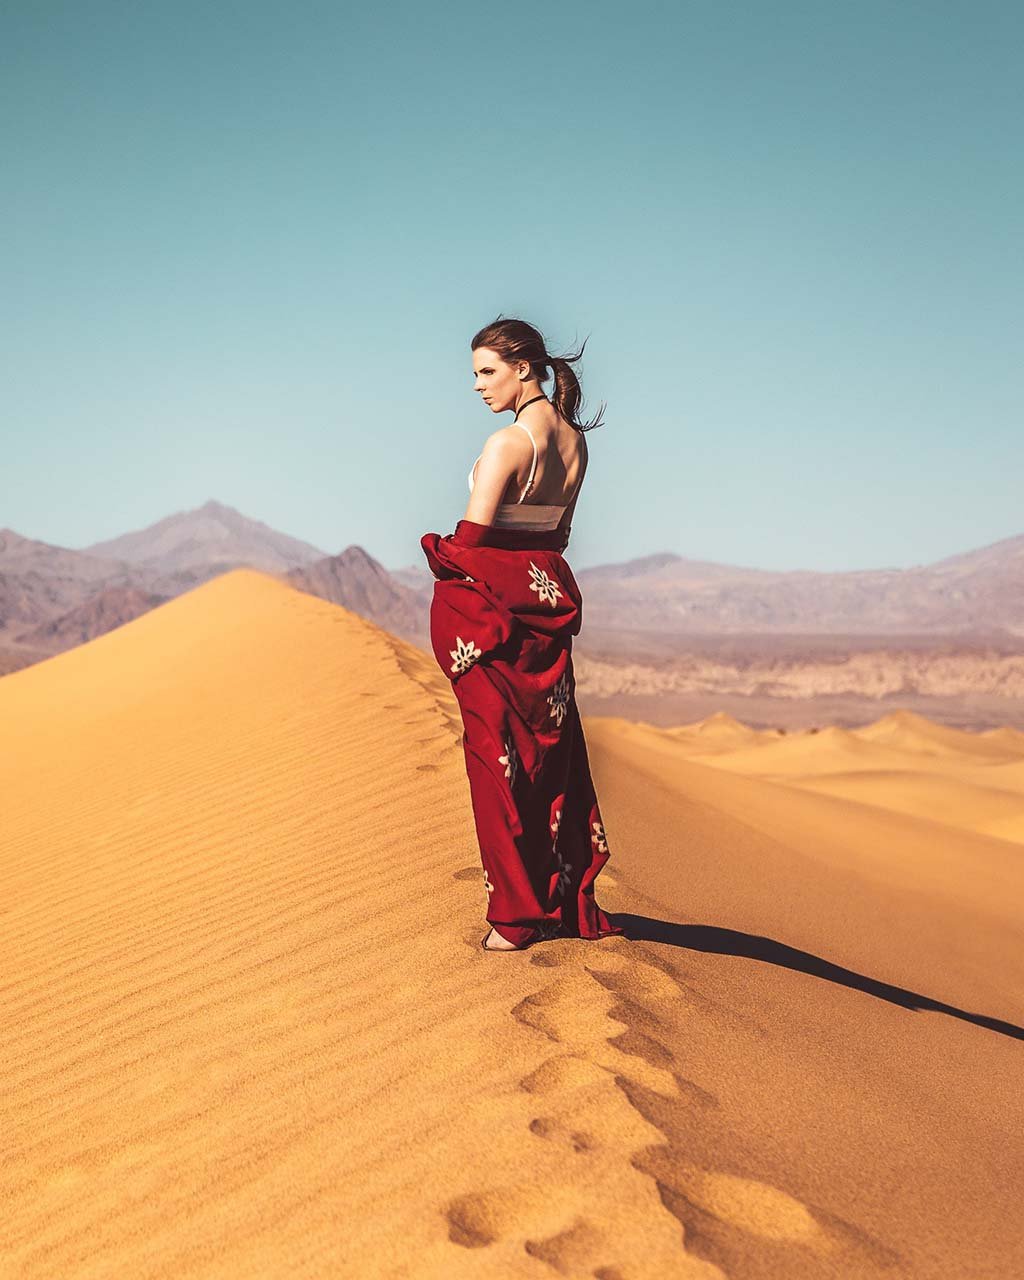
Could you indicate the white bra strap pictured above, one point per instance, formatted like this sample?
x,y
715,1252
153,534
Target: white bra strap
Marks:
x,y
533,467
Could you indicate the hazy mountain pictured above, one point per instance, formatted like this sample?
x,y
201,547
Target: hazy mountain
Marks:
x,y
24,556
997,557
109,608
211,537
981,590
52,598
356,581
40,582
415,577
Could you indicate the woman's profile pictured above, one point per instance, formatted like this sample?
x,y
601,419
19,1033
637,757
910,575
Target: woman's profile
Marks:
x,y
504,610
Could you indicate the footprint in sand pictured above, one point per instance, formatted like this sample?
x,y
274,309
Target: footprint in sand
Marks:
x,y
550,1128
482,1218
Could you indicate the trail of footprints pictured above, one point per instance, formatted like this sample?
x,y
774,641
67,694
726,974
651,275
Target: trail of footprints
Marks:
x,y
612,1194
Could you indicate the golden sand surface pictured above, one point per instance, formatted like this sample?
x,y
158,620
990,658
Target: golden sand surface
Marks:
x,y
248,1029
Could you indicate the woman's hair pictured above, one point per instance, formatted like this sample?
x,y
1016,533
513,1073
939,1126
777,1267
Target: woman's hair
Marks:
x,y
516,340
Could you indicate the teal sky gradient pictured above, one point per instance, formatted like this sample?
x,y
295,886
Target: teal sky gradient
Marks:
x,y
245,247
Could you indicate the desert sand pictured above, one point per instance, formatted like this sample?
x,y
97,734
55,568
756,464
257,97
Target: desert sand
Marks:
x,y
248,1030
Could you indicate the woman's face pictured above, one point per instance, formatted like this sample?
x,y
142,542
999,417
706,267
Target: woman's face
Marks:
x,y
497,382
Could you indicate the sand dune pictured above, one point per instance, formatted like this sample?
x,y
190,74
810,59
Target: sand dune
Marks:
x,y
937,799
1005,736
248,1029
902,762
720,732
721,735
828,750
910,732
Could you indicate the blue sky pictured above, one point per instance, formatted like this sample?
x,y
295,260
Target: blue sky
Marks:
x,y
246,246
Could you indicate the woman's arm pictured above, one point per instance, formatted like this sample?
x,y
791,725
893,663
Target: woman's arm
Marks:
x,y
499,463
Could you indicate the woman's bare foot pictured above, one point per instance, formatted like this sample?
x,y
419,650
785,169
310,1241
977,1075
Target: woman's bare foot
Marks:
x,y
495,942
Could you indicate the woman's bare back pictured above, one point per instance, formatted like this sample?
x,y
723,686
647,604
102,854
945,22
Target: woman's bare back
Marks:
x,y
561,460
558,467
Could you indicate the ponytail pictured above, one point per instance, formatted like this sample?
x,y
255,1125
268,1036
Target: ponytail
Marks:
x,y
568,393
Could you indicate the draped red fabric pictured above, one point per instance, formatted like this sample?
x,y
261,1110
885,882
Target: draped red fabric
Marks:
x,y
503,614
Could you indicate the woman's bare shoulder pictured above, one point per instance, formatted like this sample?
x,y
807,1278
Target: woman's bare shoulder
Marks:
x,y
507,441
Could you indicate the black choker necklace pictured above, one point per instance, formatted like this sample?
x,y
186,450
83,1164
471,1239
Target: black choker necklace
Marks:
x,y
525,403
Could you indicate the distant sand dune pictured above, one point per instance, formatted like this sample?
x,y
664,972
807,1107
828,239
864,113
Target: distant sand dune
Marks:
x,y
901,762
721,732
934,798
247,1028
824,751
1005,736
910,732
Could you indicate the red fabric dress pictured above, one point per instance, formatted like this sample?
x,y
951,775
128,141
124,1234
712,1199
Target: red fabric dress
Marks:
x,y
504,611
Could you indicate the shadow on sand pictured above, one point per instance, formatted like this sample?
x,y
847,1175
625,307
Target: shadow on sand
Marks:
x,y
730,942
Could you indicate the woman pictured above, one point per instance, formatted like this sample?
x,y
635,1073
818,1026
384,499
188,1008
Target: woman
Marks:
x,y
504,611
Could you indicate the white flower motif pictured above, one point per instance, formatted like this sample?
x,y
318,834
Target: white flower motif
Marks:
x,y
489,888
511,762
559,698
465,654
598,837
545,587
554,827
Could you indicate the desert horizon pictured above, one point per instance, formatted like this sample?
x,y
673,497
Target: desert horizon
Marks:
x,y
691,637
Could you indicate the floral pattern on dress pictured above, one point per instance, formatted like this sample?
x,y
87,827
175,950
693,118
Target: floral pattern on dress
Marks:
x,y
465,654
559,699
545,587
598,837
511,762
488,887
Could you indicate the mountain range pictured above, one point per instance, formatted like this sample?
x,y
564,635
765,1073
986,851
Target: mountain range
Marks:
x,y
661,623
